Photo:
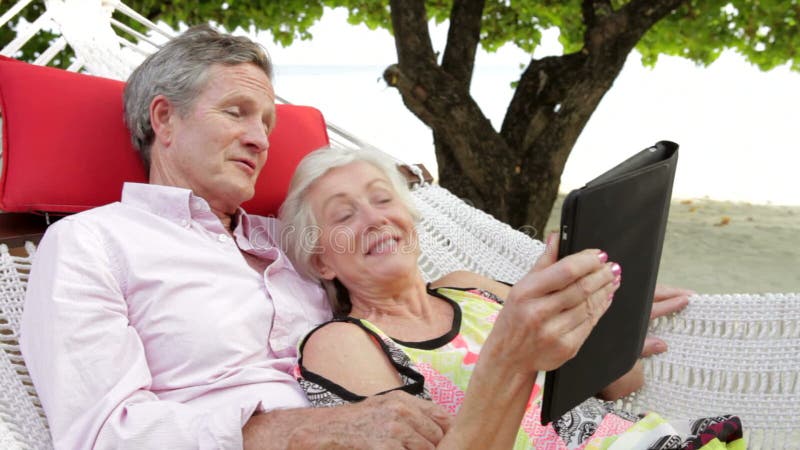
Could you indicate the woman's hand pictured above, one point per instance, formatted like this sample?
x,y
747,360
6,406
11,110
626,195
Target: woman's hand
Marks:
x,y
550,312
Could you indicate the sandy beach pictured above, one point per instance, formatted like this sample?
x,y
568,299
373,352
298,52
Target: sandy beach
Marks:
x,y
720,247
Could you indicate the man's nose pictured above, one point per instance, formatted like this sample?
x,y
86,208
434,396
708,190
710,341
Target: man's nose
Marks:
x,y
256,136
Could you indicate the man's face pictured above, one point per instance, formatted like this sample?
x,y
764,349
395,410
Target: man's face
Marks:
x,y
218,147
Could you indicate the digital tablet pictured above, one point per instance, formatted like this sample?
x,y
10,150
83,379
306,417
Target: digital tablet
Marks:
x,y
624,213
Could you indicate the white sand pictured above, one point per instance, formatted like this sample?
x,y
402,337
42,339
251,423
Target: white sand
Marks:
x,y
726,247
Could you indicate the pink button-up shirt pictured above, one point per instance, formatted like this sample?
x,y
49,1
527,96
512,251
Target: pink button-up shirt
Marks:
x,y
145,327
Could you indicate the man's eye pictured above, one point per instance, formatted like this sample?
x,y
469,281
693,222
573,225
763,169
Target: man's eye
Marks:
x,y
233,112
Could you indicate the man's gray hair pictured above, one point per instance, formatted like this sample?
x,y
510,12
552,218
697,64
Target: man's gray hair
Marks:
x,y
301,231
178,71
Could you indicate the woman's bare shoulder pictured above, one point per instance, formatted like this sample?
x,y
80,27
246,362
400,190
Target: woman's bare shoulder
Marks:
x,y
334,338
346,354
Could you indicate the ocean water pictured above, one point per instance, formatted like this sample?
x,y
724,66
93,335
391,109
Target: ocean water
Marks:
x,y
737,126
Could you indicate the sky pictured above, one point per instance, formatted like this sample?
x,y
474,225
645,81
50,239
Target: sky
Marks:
x,y
736,125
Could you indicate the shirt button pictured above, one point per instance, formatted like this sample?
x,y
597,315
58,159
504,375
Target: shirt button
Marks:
x,y
223,238
185,223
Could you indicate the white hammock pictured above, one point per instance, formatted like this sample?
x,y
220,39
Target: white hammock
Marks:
x,y
729,354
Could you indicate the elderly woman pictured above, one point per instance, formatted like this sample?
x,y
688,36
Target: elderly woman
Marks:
x,y
350,223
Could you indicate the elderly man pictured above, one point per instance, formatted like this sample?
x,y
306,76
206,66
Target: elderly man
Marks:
x,y
156,322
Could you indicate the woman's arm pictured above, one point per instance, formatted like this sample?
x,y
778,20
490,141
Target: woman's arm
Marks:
x,y
345,354
630,382
667,300
626,384
545,319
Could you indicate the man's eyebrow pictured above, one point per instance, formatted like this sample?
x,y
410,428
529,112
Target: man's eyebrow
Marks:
x,y
236,97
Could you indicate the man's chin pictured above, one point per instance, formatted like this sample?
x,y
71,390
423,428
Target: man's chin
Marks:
x,y
247,194
235,196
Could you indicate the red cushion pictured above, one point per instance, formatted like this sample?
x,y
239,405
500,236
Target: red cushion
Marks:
x,y
66,148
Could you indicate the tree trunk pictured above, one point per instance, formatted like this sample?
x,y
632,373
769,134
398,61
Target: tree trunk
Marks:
x,y
512,174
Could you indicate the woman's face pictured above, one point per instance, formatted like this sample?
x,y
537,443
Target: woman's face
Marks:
x,y
367,234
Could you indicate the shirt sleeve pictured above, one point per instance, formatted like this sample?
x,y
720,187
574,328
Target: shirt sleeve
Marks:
x,y
88,363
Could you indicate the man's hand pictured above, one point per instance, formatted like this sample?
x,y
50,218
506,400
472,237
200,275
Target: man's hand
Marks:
x,y
667,300
395,420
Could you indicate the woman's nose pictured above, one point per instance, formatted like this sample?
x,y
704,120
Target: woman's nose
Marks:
x,y
374,217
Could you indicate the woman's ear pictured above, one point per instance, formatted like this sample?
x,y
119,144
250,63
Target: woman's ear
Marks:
x,y
161,113
322,269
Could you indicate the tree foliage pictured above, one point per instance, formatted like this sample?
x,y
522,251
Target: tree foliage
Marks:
x,y
513,172
764,31
39,43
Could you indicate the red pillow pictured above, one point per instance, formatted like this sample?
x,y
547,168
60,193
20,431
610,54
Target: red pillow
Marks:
x,y
66,148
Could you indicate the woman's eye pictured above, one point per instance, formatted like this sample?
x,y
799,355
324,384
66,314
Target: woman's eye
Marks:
x,y
342,217
233,112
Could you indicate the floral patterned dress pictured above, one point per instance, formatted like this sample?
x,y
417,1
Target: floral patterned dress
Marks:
x,y
440,369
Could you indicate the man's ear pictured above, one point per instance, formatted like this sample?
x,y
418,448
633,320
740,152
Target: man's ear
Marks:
x,y
321,268
161,115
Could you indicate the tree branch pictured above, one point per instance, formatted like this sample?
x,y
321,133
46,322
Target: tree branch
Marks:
x,y
411,37
609,38
541,89
647,12
592,10
433,96
463,37
621,30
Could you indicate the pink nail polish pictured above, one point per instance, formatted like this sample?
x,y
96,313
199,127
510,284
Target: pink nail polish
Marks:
x,y
617,280
551,239
616,269
602,256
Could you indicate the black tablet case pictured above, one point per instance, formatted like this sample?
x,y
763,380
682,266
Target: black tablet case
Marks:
x,y
623,212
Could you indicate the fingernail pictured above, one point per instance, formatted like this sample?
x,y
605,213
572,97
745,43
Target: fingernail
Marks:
x,y
616,269
549,242
610,297
602,256
617,280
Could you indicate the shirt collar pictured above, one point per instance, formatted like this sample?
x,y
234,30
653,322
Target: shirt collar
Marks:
x,y
172,203
260,234
181,206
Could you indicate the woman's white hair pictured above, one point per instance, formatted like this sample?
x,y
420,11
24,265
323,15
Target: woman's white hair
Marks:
x,y
301,231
